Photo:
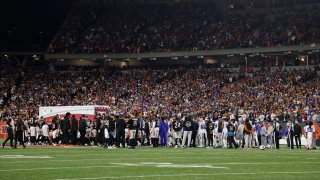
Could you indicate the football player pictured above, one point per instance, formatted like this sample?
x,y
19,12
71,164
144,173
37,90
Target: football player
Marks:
x,y
264,134
239,133
155,132
219,133
202,133
133,127
32,125
231,132
147,131
111,130
177,126
270,133
309,133
45,133
210,132
106,123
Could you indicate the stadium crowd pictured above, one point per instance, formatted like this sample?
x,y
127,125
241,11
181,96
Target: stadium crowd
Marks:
x,y
7,85
102,27
205,93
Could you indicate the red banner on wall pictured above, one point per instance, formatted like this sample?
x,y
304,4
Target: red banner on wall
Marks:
x,y
3,129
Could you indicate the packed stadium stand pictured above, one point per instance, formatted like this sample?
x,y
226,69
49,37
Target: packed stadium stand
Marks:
x,y
108,27
271,81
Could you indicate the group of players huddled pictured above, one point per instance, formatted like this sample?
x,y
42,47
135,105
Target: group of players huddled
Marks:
x,y
113,130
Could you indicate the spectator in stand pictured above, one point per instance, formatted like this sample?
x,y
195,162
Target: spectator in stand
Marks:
x,y
121,27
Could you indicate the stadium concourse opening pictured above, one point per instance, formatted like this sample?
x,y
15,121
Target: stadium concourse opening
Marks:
x,y
199,88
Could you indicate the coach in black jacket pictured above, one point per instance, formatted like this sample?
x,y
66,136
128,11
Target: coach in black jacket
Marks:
x,y
98,126
66,129
120,131
82,129
10,133
19,129
297,132
195,127
74,130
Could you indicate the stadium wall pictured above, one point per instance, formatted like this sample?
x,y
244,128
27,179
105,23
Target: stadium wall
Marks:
x,y
218,52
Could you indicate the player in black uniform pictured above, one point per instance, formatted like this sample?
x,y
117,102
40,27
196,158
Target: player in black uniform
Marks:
x,y
133,128
101,131
106,122
231,131
10,133
147,131
111,128
177,126
210,129
98,126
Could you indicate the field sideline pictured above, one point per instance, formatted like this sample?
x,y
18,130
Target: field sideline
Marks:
x,y
158,163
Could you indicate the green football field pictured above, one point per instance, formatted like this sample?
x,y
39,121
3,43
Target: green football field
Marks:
x,y
158,163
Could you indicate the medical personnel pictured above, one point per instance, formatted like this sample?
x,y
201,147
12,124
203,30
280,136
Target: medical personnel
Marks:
x,y
163,130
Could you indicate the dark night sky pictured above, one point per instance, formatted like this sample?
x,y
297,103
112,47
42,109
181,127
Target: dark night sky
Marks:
x,y
26,18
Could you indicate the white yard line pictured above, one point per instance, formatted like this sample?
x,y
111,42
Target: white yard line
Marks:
x,y
180,175
171,165
54,168
127,158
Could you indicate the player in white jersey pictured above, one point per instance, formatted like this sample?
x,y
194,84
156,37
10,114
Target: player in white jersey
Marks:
x,y
55,136
239,133
202,133
219,133
309,133
155,132
39,133
33,131
45,133
264,134
170,136
254,138
270,133
225,134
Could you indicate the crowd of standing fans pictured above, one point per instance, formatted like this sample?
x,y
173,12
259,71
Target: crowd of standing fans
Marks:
x,y
196,93
118,27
